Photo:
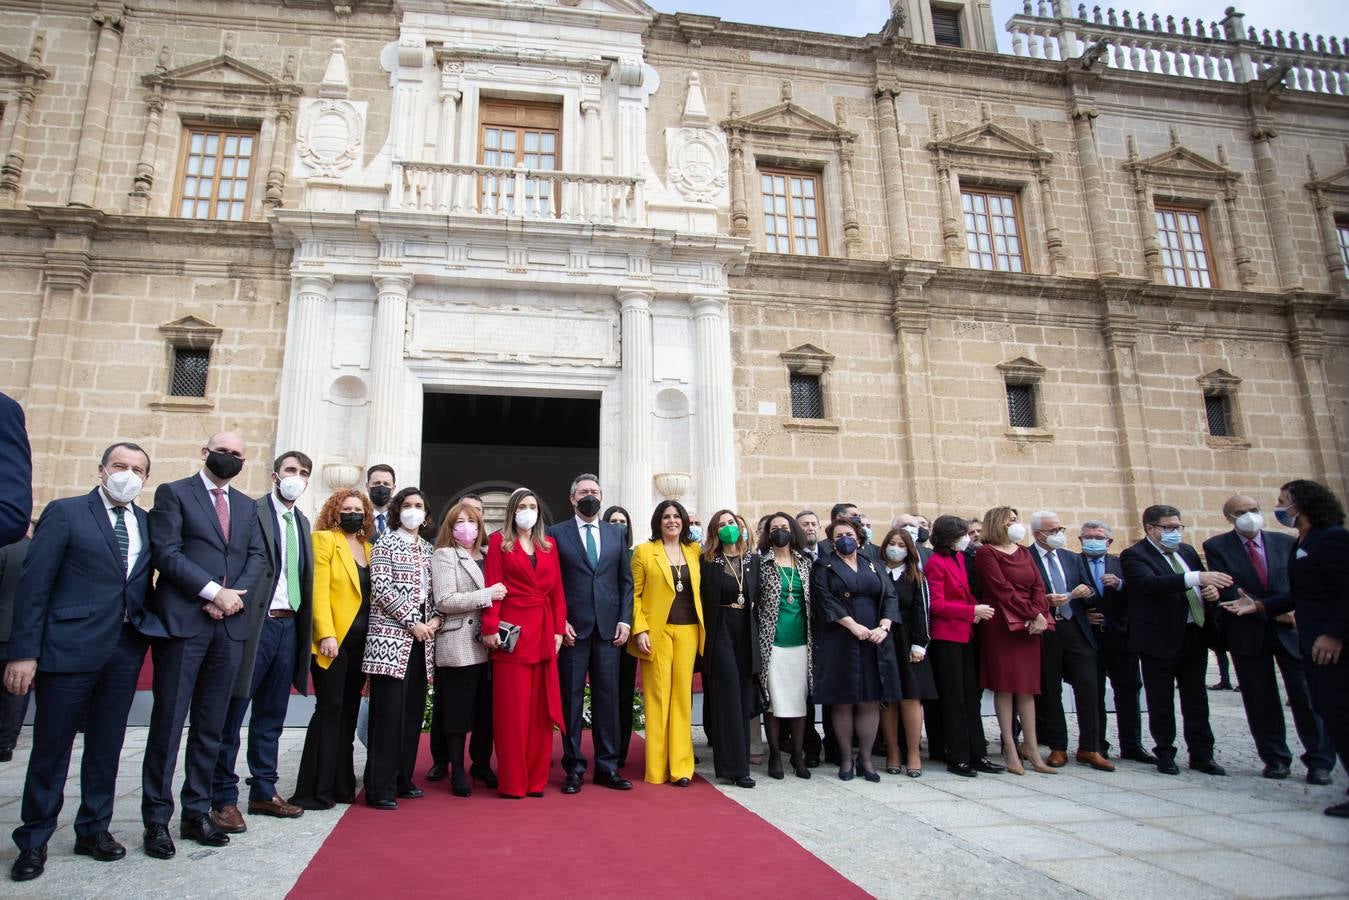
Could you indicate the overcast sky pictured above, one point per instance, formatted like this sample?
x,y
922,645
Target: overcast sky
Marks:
x,y
1328,17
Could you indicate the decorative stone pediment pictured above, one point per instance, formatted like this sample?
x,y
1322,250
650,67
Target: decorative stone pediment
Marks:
x,y
787,119
1219,381
223,73
1181,162
807,359
1021,370
989,140
14,69
191,332
1332,184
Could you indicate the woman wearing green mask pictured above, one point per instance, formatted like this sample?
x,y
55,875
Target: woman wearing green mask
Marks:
x,y
731,658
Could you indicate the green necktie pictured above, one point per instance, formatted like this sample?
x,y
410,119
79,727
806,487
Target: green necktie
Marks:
x,y
1192,595
292,561
591,550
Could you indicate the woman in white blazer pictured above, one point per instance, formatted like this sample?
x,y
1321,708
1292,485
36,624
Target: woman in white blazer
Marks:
x,y
463,696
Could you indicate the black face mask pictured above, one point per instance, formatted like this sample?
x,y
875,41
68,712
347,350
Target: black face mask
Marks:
x,y
780,537
588,505
380,495
352,523
223,465
923,534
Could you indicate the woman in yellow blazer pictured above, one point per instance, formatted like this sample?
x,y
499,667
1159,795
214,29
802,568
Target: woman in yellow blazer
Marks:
x,y
667,636
341,535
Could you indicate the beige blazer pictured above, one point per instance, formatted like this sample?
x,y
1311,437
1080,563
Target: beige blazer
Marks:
x,y
458,593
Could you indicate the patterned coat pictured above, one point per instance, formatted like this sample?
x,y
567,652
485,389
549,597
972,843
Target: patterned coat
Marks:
x,y
400,597
460,598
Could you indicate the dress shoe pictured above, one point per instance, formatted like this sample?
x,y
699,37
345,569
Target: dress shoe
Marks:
x,y
30,864
964,770
275,807
743,781
6,756
572,785
1095,760
812,762
1138,754
102,847
1339,811
201,829
1207,766
1221,686
1275,771
411,793
775,765
158,843
315,803
682,782
1057,759
229,820
894,770
1168,767
459,781
849,775
384,804
1318,776
485,775
436,772
534,794
871,775
988,766
613,781
799,767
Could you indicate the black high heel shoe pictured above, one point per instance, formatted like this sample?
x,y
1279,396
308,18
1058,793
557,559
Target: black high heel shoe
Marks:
x,y
459,782
775,765
485,775
799,767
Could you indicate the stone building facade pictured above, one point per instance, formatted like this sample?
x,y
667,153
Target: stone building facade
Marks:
x,y
788,267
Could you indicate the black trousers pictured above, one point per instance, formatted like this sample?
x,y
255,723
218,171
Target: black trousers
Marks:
x,y
627,691
1329,687
1186,672
397,708
13,707
1126,681
1066,655
961,726
728,694
479,739
327,770
1264,706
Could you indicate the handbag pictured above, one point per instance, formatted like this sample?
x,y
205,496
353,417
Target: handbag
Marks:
x,y
508,633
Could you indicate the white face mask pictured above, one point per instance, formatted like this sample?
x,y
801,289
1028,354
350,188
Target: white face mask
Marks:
x,y
123,486
525,518
1250,522
411,519
896,553
291,487
963,544
1057,541
1016,532
912,530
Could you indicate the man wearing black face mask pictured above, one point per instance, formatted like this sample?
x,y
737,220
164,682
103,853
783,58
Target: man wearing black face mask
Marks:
x,y
380,484
205,542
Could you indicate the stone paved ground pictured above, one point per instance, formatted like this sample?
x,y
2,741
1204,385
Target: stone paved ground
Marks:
x,y
1132,833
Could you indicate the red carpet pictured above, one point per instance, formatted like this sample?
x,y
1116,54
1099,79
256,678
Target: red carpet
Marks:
x,y
653,841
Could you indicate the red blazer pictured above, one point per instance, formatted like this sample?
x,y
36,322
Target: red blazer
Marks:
x,y
1013,587
948,583
534,600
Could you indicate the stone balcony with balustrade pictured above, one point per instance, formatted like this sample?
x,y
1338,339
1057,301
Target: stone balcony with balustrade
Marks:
x,y
1223,50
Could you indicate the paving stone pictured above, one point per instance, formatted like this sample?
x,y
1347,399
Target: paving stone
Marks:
x,y
1247,874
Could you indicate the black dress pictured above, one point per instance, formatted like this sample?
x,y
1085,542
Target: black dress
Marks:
x,y
463,697
915,679
847,670
728,666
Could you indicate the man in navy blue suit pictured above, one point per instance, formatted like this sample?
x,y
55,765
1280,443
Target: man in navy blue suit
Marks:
x,y
207,546
276,655
81,626
16,475
598,585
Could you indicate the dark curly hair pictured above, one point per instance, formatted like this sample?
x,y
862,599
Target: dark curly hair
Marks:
x,y
1315,501
330,516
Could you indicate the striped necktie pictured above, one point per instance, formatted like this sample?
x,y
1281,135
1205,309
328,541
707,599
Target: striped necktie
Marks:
x,y
123,539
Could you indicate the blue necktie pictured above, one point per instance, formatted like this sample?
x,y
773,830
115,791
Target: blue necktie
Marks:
x,y
1060,586
380,525
1097,569
591,550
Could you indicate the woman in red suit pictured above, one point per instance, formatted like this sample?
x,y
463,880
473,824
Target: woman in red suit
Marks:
x,y
1010,641
526,702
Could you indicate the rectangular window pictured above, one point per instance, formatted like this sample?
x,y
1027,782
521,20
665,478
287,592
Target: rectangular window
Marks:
x,y
1183,237
1218,409
946,27
525,135
791,213
190,368
1342,234
807,396
215,174
1021,406
992,231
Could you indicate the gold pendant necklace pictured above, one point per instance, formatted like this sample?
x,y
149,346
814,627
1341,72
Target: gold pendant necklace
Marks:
x,y
793,579
739,577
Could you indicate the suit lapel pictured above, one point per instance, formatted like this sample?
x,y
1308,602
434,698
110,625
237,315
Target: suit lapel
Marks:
x,y
665,564
198,490
571,533
100,514
267,522
1276,564
468,565
1235,544
238,515
143,558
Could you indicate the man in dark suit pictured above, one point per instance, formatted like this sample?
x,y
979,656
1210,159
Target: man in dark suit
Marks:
x,y
16,475
598,585
1108,613
380,485
276,654
1069,651
81,626
1167,589
1257,560
13,707
208,548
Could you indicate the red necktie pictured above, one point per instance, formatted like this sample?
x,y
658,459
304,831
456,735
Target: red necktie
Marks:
x,y
222,512
1258,563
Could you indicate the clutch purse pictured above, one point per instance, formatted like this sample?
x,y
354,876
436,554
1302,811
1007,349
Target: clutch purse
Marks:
x,y
508,633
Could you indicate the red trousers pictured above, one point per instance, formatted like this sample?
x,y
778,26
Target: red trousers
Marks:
x,y
522,727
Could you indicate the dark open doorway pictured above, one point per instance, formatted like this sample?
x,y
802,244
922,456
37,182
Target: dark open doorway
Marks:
x,y
490,444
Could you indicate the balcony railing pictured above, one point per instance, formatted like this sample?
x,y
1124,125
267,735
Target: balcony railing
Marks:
x,y
1222,50
461,189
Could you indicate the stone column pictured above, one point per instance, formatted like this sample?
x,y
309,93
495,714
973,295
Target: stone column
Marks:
x,y
145,169
276,173
1330,240
635,397
1276,209
1307,345
11,170
386,367
950,214
1093,180
1147,218
909,316
892,173
449,111
739,204
1053,236
852,230
97,103
715,483
1121,336
300,417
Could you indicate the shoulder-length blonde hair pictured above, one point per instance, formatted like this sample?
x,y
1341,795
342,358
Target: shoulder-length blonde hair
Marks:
x,y
445,537
996,521
509,531
330,516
